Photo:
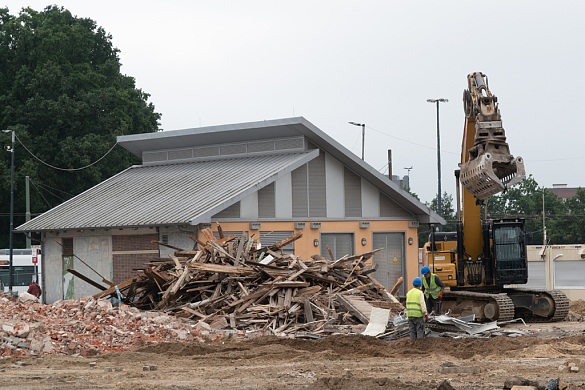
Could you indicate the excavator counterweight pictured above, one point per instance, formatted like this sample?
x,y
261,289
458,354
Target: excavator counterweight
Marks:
x,y
488,167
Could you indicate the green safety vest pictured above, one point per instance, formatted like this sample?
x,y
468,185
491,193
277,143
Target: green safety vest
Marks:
x,y
433,290
413,308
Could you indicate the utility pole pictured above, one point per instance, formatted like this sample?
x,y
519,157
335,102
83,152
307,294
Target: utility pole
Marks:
x,y
439,206
27,215
11,150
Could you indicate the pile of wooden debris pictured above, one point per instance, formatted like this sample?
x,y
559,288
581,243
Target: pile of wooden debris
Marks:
x,y
230,282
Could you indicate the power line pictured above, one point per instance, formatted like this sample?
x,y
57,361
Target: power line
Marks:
x,y
66,169
410,142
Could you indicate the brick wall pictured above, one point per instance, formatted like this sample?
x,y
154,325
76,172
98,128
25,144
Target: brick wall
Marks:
x,y
131,252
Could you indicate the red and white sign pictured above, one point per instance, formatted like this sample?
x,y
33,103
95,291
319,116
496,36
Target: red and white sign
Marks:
x,y
35,258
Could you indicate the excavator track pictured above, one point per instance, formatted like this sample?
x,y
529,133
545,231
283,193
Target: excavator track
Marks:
x,y
500,303
561,304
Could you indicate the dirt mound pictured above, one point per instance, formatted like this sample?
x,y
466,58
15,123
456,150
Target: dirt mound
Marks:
x,y
337,383
463,348
577,308
351,347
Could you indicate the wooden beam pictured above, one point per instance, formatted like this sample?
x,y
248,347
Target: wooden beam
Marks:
x,y
86,279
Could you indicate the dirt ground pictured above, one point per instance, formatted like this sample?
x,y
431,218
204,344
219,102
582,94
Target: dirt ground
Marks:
x,y
334,362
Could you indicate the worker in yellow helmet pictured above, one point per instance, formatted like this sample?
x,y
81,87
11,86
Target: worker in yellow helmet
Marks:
x,y
416,310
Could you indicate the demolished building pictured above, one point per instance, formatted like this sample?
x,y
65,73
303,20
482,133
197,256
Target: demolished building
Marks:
x,y
269,179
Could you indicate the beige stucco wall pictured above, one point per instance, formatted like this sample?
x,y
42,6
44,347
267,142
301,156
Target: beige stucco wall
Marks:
x,y
305,248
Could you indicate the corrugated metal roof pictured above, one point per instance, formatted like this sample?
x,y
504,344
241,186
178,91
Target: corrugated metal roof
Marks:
x,y
286,127
168,194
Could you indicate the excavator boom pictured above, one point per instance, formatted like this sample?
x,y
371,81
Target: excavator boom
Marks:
x,y
488,167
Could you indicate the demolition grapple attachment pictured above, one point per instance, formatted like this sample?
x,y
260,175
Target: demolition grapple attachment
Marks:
x,y
489,167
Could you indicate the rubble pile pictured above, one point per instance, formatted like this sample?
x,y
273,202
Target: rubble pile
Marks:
x,y
231,283
86,327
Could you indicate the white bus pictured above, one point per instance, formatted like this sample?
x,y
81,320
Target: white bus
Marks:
x,y
23,268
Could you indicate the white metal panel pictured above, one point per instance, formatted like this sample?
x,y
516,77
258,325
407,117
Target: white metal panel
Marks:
x,y
370,200
283,194
334,180
536,275
249,206
569,274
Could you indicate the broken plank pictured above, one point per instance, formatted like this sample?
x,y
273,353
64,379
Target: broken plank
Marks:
x,y
86,279
112,290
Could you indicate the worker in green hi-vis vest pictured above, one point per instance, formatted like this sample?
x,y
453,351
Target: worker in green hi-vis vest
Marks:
x,y
416,310
433,288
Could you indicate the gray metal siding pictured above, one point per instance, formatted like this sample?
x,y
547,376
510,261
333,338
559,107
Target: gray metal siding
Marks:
x,y
180,154
269,238
209,151
569,274
300,197
228,150
292,143
391,209
317,187
390,260
263,146
536,275
341,244
232,212
154,156
266,202
164,194
352,184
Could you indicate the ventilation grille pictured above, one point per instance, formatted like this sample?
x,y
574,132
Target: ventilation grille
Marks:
x,y
231,212
206,152
266,202
252,147
228,150
300,206
257,147
291,143
180,154
353,193
154,156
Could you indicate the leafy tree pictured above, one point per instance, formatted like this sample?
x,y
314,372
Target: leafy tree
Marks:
x,y
525,200
447,212
61,90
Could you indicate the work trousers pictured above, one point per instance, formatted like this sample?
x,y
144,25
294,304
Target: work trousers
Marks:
x,y
433,305
416,326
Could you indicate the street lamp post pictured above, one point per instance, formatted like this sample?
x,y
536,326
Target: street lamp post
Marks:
x,y
11,150
439,208
363,125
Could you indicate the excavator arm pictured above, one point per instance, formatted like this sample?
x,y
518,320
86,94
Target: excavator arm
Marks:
x,y
487,167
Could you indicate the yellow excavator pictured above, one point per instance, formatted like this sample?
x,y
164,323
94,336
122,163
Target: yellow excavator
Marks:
x,y
484,260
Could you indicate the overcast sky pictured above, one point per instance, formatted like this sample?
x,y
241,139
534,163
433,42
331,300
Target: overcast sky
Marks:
x,y
210,63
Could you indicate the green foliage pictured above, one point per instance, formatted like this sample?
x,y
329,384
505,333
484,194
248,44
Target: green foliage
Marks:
x,y
564,221
447,212
61,90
